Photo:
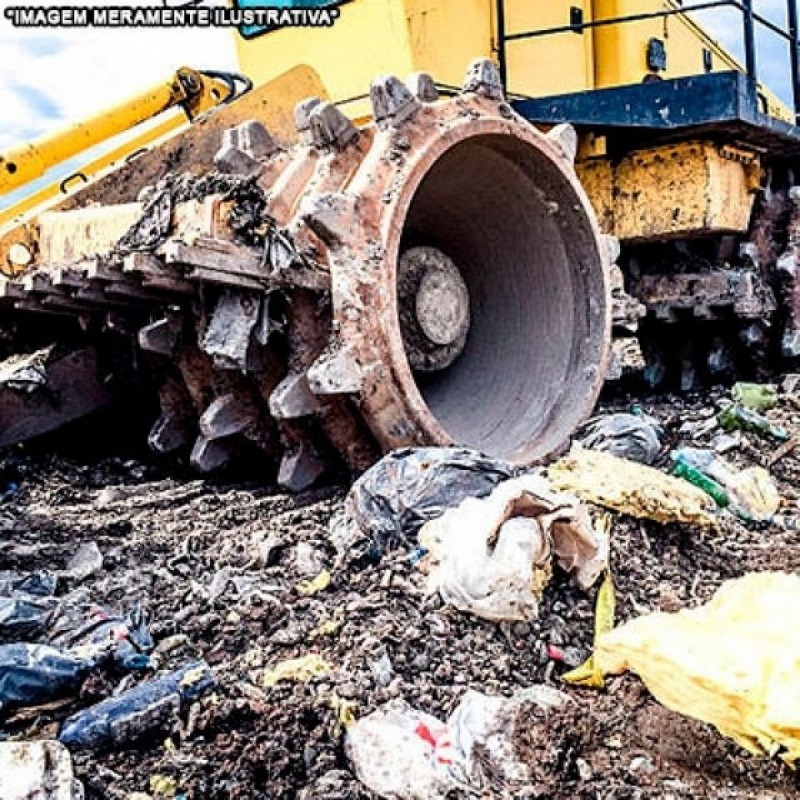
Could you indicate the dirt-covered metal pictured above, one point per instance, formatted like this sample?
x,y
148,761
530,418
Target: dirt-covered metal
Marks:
x,y
274,303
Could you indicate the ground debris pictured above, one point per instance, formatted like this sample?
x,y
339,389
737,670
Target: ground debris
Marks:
x,y
164,540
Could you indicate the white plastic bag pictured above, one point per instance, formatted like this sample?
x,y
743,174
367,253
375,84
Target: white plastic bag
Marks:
x,y
404,754
487,722
401,753
492,556
37,771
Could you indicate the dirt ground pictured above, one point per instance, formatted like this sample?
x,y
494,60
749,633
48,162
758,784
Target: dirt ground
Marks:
x,y
217,565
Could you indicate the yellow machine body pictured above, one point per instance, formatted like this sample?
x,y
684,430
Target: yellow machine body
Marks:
x,y
439,36
187,89
674,190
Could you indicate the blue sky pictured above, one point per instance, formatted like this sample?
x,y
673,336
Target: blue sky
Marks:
x,y
49,77
773,52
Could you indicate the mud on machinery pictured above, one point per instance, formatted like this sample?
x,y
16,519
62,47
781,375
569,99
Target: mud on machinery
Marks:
x,y
317,275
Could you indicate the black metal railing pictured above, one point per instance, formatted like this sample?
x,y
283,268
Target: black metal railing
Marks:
x,y
749,21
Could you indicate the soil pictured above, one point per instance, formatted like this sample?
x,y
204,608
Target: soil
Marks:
x,y
218,564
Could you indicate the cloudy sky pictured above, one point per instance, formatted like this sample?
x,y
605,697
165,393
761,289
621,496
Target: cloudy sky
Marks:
x,y
52,76
773,52
49,77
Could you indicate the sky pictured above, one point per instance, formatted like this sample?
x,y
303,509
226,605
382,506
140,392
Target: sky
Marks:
x,y
49,77
725,25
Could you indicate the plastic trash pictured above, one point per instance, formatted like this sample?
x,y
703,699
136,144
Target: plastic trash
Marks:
x,y
164,786
492,556
755,494
682,467
750,493
41,584
382,670
735,417
34,674
390,502
27,605
401,753
589,673
150,706
636,437
299,670
732,662
37,771
755,396
85,562
24,617
127,639
482,734
630,488
318,584
726,442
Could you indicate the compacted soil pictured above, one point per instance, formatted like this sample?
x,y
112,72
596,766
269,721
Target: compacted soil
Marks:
x,y
219,567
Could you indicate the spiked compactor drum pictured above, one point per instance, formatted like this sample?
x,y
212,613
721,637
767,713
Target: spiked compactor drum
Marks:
x,y
434,277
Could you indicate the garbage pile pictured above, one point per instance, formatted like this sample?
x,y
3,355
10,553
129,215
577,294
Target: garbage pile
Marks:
x,y
450,626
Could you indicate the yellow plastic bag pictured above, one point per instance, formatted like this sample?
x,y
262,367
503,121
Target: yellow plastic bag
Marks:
x,y
589,673
631,488
734,662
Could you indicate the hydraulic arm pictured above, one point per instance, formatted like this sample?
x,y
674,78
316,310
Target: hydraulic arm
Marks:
x,y
193,91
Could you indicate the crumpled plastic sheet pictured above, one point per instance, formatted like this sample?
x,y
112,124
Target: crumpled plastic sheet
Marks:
x,y
484,724
755,494
33,674
404,754
636,437
401,753
126,638
27,605
389,503
631,488
491,556
733,662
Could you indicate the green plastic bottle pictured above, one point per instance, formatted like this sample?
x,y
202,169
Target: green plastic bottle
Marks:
x,y
682,469
736,417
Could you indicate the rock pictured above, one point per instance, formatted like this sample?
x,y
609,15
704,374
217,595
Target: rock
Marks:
x,y
641,765
86,561
37,771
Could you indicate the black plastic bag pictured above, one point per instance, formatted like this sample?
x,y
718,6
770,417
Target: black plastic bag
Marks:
x,y
150,706
636,437
127,638
27,606
393,499
34,674
24,617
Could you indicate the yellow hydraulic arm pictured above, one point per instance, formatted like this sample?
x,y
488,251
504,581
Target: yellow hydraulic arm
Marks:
x,y
194,91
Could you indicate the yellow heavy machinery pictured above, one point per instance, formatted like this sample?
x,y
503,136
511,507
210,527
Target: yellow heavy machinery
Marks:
x,y
320,269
